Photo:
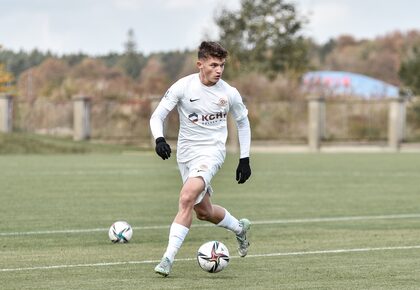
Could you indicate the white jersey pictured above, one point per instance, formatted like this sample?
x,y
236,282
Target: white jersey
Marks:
x,y
203,116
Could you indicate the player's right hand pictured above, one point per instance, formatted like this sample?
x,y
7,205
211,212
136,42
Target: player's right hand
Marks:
x,y
162,148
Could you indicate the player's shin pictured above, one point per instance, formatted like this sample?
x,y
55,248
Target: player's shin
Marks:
x,y
231,223
177,235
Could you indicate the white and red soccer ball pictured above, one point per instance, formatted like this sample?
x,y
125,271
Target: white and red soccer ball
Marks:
x,y
213,256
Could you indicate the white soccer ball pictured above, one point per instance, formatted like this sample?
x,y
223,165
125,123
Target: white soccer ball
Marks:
x,y
213,256
120,232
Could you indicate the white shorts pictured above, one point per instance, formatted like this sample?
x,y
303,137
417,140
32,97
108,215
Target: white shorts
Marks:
x,y
204,167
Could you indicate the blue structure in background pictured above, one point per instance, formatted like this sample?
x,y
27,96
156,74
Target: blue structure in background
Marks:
x,y
346,83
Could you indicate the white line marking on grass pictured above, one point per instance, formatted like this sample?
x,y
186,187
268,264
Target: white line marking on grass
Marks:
x,y
339,219
338,251
80,265
303,253
75,231
268,222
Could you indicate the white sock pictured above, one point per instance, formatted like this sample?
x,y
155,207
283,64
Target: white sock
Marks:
x,y
231,223
177,234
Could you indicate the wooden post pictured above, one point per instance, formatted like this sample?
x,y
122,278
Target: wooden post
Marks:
x,y
316,126
396,123
403,124
6,113
81,118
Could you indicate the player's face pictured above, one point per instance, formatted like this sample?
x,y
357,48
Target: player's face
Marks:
x,y
211,70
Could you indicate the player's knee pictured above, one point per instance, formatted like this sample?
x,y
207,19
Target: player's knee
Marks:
x,y
186,200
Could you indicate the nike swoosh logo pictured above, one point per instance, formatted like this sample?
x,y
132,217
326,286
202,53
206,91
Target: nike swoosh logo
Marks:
x,y
193,100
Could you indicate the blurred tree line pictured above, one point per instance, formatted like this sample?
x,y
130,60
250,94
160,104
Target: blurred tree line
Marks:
x,y
268,55
6,80
111,76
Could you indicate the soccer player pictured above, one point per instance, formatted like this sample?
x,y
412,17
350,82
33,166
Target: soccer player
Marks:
x,y
203,101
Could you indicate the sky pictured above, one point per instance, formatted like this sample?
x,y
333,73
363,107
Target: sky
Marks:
x,y
98,27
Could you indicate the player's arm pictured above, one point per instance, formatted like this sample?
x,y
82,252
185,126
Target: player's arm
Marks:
x,y
243,172
156,125
240,114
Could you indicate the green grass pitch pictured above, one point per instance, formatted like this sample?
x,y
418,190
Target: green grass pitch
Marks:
x,y
321,221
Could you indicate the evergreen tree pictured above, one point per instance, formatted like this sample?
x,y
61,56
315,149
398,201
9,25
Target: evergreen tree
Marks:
x,y
131,61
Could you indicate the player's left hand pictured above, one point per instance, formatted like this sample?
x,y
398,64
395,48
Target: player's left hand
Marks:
x,y
243,172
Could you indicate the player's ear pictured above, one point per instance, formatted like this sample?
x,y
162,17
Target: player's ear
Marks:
x,y
199,64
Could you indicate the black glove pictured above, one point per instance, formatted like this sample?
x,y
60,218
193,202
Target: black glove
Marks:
x,y
162,148
243,172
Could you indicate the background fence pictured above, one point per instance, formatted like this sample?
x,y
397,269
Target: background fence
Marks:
x,y
43,117
286,121
356,121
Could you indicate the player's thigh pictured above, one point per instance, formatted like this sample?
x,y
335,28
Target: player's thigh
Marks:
x,y
205,167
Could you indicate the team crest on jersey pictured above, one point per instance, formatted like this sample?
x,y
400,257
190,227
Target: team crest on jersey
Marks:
x,y
193,117
222,102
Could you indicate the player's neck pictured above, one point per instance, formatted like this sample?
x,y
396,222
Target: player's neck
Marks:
x,y
205,81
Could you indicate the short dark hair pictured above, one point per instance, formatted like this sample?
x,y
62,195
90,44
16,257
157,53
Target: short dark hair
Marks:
x,y
211,49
